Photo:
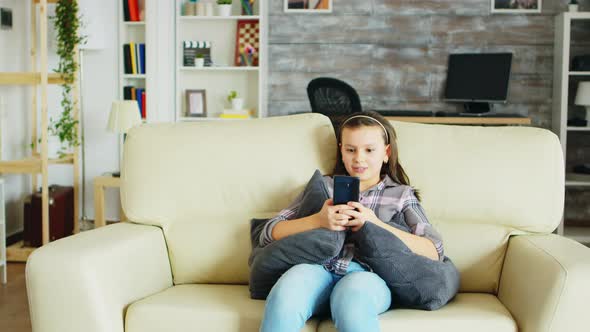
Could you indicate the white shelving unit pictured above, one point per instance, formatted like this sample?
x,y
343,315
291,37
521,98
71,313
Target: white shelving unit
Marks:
x,y
3,266
219,79
132,32
564,84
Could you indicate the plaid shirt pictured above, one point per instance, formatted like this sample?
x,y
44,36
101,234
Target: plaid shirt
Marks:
x,y
393,203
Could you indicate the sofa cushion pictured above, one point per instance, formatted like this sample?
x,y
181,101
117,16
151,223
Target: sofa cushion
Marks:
x,y
199,308
316,246
414,280
229,308
465,313
510,176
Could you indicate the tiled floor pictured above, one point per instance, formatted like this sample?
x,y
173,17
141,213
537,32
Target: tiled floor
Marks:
x,y
14,308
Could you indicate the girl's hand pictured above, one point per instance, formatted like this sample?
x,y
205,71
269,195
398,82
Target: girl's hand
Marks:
x,y
332,216
358,218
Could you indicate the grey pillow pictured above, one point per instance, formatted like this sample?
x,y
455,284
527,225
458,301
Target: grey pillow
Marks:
x,y
316,246
415,281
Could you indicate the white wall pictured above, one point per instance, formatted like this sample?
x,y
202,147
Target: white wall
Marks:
x,y
99,87
15,118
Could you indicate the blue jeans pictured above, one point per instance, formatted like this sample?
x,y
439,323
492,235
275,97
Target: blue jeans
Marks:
x,y
354,300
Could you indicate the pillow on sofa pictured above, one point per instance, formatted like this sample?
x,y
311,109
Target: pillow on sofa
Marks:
x,y
415,281
316,246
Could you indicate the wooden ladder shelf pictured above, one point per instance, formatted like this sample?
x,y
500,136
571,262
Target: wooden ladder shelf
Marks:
x,y
37,164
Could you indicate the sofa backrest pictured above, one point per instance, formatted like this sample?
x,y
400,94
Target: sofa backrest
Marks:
x,y
202,182
480,185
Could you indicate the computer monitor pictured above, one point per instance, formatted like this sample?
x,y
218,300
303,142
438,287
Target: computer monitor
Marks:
x,y
478,79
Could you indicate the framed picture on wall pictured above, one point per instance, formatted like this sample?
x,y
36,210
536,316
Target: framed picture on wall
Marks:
x,y
516,6
308,6
196,103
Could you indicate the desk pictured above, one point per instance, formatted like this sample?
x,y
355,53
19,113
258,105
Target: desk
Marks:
x,y
461,120
100,184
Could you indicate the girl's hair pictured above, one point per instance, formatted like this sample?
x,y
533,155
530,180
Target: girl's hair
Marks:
x,y
373,119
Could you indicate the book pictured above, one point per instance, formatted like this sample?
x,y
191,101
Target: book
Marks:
x,y
143,105
133,58
127,92
141,8
127,59
126,16
133,10
142,58
137,60
139,101
233,116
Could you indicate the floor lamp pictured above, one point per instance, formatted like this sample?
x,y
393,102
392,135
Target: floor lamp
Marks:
x,y
124,116
93,15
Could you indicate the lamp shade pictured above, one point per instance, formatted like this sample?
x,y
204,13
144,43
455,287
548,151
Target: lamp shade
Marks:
x,y
124,116
583,94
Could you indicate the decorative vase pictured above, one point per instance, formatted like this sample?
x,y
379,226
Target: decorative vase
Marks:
x,y
224,10
199,62
237,104
247,7
209,9
190,9
200,9
573,7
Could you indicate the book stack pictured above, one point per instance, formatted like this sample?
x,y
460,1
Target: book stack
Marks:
x,y
231,114
133,93
133,10
134,56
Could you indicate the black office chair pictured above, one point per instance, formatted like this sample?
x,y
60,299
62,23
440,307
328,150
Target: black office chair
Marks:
x,y
333,98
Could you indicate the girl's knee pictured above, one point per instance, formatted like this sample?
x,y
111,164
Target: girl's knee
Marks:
x,y
358,290
299,291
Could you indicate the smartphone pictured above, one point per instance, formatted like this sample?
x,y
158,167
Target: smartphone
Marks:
x,y
346,189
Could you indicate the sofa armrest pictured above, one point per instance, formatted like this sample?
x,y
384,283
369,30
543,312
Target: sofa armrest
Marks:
x,y
85,282
545,283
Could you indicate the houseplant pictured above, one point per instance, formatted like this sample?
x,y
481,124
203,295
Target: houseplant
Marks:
x,y
573,6
237,104
199,60
67,25
224,7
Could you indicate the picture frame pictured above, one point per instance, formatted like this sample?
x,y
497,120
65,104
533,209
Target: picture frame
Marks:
x,y
516,6
196,103
308,6
247,33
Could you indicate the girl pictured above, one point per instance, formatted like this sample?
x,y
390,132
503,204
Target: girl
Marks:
x,y
345,286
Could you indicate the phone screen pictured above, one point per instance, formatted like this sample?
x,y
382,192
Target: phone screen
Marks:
x,y
346,189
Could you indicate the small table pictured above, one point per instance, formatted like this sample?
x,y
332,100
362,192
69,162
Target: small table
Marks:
x,y
100,184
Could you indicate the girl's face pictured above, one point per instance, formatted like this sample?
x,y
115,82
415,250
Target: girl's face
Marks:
x,y
363,153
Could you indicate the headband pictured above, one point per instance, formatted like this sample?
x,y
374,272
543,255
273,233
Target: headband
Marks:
x,y
368,117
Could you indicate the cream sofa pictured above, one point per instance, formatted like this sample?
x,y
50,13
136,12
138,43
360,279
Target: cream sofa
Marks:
x,y
190,189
